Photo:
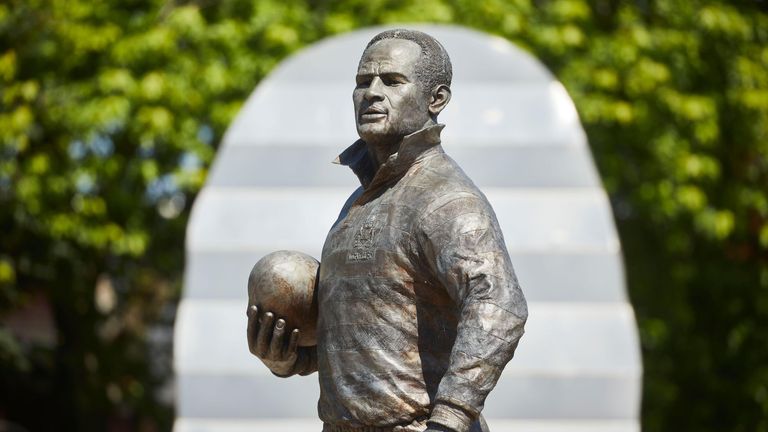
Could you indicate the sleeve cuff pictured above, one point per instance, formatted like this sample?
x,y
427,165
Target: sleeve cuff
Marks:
x,y
451,417
307,361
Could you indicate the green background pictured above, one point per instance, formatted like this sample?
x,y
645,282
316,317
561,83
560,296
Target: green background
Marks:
x,y
111,112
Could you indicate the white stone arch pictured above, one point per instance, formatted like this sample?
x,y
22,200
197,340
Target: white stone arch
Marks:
x,y
514,130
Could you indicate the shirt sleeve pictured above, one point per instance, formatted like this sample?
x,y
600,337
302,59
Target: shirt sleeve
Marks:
x,y
465,249
306,363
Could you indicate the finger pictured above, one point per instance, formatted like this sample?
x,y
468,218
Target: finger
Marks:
x,y
253,327
276,345
293,343
262,340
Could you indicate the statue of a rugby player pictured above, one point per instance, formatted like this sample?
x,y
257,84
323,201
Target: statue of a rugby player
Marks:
x,y
419,309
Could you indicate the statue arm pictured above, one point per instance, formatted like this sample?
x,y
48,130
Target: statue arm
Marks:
x,y
465,249
306,364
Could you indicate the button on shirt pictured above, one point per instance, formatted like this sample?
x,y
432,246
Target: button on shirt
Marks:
x,y
419,307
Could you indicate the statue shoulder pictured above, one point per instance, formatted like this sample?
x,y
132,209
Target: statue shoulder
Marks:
x,y
447,186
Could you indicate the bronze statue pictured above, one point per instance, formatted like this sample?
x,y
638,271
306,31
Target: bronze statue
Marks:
x,y
419,309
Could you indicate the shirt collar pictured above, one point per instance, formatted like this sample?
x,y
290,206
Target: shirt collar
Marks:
x,y
410,149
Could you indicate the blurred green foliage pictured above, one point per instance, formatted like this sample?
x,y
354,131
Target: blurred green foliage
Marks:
x,y
111,112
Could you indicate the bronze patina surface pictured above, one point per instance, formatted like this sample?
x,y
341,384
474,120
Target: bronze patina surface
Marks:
x,y
419,309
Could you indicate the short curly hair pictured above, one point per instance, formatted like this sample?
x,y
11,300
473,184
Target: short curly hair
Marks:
x,y
434,66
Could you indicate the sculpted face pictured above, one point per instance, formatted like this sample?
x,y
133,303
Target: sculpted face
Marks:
x,y
389,101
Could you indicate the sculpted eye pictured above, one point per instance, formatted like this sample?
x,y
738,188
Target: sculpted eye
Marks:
x,y
391,80
363,82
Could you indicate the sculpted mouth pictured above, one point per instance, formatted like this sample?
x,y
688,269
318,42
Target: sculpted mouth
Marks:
x,y
374,110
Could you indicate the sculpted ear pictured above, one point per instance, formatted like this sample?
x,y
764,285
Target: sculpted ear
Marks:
x,y
441,95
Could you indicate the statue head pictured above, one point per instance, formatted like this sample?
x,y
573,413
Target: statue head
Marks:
x,y
403,83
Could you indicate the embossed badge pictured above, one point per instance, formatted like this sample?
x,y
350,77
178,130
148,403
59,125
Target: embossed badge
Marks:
x,y
362,244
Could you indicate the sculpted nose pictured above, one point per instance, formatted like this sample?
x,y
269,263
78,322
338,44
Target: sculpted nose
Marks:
x,y
374,89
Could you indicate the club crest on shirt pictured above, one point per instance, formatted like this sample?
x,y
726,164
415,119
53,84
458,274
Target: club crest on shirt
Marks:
x,y
363,241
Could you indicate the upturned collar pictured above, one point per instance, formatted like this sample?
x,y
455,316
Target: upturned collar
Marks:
x,y
411,149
